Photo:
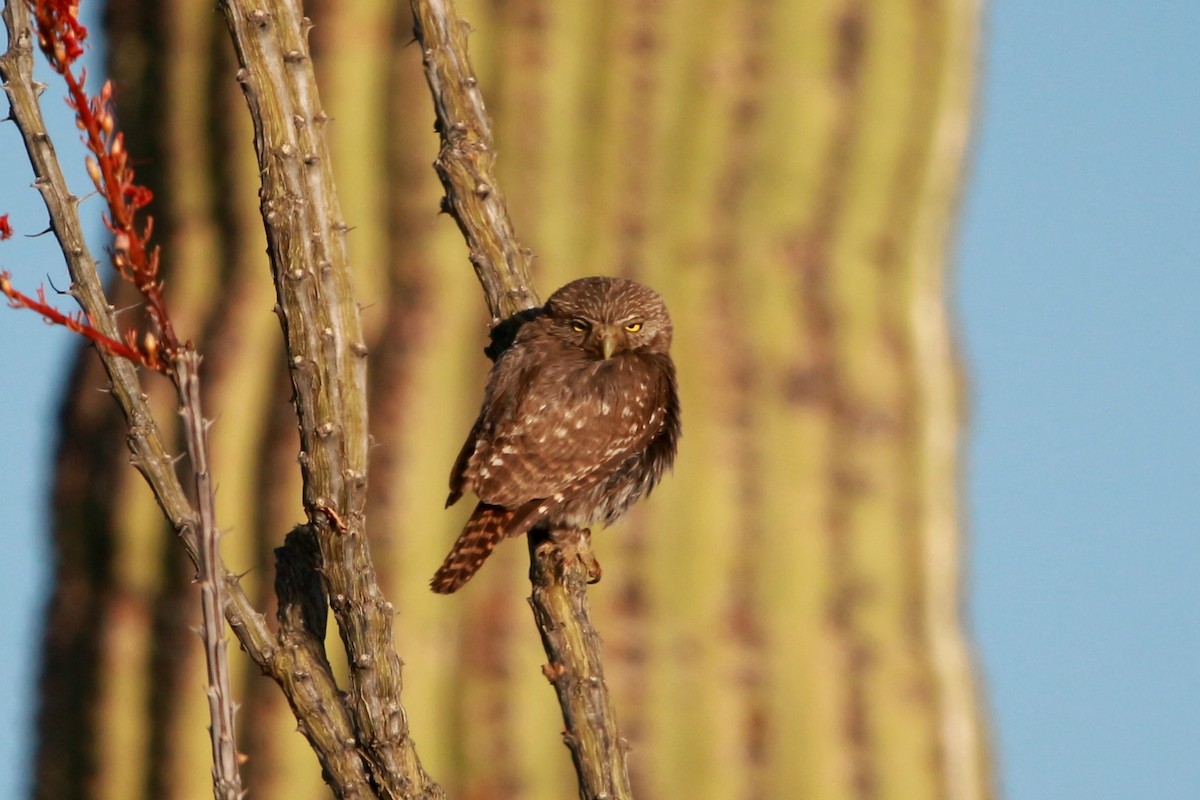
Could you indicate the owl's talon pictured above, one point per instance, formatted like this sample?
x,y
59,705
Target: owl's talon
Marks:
x,y
590,562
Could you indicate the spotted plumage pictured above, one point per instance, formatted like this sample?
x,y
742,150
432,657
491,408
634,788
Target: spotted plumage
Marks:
x,y
580,418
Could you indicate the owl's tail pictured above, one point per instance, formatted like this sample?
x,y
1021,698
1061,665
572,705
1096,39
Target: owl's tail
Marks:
x,y
484,530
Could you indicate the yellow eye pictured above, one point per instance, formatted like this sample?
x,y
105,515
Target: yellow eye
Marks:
x,y
579,326
633,327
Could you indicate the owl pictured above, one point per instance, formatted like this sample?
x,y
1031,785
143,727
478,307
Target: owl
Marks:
x,y
580,418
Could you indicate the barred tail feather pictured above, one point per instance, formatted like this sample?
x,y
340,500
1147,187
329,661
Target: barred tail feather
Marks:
x,y
484,530
482,533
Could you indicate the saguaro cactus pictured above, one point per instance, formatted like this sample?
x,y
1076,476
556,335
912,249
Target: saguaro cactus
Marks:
x,y
781,619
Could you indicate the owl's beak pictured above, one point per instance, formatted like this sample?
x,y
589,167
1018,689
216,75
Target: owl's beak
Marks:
x,y
608,344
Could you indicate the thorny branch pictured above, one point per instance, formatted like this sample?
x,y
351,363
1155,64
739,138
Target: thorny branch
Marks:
x,y
466,161
227,782
61,37
306,239
304,676
559,600
312,285
561,567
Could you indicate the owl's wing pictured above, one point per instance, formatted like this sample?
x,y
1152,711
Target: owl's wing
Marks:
x,y
563,426
458,473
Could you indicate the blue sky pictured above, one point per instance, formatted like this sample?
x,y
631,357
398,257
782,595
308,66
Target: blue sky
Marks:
x,y
1079,293
1078,288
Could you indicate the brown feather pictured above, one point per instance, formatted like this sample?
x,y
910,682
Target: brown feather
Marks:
x,y
479,537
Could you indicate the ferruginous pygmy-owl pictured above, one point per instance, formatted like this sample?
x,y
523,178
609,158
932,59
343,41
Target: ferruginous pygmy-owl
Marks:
x,y
580,418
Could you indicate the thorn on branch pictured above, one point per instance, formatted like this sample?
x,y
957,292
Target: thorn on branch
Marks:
x,y
553,671
324,508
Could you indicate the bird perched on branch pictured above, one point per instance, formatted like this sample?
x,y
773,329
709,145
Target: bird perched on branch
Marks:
x,y
580,418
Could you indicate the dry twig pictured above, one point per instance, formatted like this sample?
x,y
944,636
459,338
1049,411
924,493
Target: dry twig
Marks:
x,y
300,669
306,238
61,37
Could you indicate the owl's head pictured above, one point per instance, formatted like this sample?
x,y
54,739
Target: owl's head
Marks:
x,y
609,316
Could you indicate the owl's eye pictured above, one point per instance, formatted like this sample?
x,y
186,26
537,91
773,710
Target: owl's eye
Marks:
x,y
633,327
579,326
